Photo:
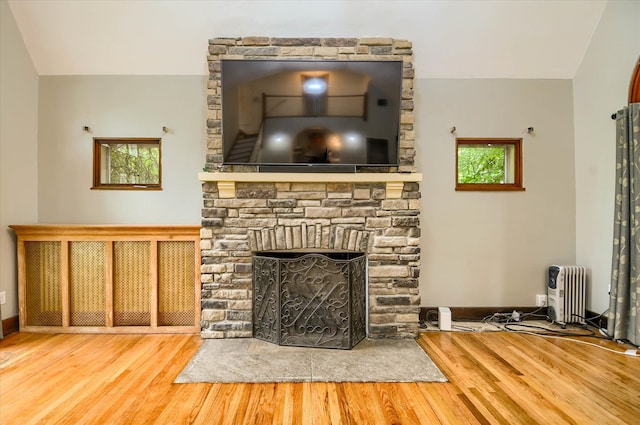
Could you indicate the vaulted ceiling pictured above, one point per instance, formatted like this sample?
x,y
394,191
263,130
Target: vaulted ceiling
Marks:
x,y
451,38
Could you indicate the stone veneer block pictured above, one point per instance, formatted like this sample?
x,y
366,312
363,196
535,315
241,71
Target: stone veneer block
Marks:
x,y
255,41
377,41
297,51
329,52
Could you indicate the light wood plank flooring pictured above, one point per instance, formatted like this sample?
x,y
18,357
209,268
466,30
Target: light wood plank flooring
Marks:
x,y
495,378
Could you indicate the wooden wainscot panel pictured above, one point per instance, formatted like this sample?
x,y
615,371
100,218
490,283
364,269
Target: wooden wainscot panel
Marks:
x,y
90,278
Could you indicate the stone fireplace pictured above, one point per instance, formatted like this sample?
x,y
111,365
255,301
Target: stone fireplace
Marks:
x,y
374,211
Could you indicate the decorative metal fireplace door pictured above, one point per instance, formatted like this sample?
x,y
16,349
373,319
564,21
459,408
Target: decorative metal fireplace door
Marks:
x,y
310,299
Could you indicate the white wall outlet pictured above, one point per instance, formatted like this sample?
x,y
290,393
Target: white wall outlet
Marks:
x,y
3,297
541,300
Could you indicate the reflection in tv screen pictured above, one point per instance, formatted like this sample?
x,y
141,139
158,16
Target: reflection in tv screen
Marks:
x,y
311,112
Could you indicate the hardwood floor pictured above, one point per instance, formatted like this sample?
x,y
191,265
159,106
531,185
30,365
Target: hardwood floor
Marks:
x,y
495,378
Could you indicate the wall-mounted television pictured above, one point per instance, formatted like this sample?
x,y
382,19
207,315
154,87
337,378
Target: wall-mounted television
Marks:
x,y
311,114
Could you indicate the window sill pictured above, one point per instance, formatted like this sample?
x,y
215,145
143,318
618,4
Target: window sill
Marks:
x,y
488,188
126,187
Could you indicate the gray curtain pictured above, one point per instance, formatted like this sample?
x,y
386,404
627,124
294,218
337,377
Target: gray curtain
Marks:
x,y
624,301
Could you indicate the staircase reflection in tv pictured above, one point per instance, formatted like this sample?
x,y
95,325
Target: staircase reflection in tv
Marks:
x,y
269,116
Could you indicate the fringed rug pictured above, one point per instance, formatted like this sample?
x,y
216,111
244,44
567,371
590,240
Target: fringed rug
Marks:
x,y
249,360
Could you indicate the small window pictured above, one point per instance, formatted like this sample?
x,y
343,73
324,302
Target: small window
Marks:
x,y
126,164
489,164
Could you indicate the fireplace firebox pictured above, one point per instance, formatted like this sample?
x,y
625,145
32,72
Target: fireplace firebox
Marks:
x,y
310,298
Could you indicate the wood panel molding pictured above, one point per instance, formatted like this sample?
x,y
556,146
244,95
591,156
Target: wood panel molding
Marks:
x,y
10,325
56,261
94,231
478,313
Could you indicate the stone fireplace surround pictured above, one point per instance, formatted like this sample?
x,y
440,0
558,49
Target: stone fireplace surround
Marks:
x,y
374,210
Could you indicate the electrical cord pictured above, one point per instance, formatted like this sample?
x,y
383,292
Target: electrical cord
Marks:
x,y
629,353
507,321
514,316
429,322
493,319
550,331
563,334
591,321
552,334
464,328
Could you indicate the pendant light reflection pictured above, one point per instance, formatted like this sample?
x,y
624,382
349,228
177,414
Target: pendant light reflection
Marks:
x,y
315,85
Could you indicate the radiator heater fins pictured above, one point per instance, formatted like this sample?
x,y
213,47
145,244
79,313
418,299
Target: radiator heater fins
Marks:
x,y
566,294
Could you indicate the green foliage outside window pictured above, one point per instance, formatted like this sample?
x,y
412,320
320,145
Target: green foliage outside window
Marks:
x,y
489,164
481,164
134,163
127,164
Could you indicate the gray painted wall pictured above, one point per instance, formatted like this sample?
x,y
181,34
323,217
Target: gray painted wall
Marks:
x,y
18,150
120,106
493,248
478,248
601,87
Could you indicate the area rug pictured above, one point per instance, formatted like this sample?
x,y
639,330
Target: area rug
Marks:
x,y
249,360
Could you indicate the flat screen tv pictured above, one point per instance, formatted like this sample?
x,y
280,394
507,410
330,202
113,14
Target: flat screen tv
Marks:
x,y
306,115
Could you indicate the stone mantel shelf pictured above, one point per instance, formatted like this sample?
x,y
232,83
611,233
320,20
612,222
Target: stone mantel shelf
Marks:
x,y
227,181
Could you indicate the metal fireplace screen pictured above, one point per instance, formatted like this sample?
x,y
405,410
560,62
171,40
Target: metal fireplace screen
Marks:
x,y
310,299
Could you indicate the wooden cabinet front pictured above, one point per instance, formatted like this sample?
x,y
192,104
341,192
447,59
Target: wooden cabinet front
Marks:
x,y
127,279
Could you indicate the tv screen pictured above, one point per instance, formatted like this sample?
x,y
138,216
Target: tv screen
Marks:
x,y
311,112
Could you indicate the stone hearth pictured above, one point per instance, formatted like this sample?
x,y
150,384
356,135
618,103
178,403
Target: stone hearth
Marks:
x,y
377,215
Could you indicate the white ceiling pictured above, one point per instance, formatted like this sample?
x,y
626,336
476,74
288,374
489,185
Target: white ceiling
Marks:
x,y
451,39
